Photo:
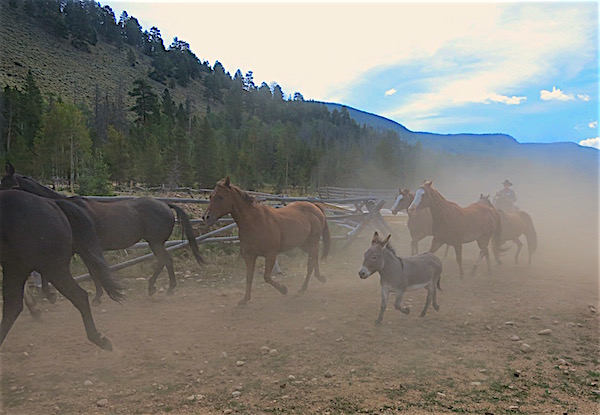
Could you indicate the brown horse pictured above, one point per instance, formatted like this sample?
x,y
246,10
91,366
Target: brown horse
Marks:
x,y
455,225
419,222
120,224
265,231
513,225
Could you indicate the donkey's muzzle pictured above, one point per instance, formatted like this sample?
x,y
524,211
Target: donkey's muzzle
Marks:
x,y
363,273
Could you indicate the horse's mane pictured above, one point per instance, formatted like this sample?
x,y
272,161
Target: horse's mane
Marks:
x,y
246,197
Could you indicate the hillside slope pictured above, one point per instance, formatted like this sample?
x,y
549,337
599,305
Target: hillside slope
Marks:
x,y
60,69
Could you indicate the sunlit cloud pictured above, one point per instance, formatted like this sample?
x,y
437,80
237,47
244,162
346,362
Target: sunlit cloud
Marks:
x,y
555,95
390,92
591,142
583,97
593,124
503,99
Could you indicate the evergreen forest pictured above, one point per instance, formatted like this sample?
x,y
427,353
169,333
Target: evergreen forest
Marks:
x,y
142,135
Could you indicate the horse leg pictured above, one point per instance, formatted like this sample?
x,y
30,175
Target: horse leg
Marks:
x,y
398,303
458,251
384,299
12,293
269,262
31,304
414,247
164,259
435,245
446,253
50,295
99,292
318,275
66,285
309,269
250,264
519,246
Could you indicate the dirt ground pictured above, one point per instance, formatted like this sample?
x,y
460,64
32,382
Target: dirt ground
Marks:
x,y
197,352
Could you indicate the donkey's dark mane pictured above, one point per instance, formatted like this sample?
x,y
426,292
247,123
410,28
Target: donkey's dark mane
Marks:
x,y
393,251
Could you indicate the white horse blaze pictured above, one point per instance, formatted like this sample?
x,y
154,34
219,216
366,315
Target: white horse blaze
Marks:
x,y
398,199
417,200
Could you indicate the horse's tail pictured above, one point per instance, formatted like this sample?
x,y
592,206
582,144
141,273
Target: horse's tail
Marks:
x,y
529,232
189,231
325,234
87,245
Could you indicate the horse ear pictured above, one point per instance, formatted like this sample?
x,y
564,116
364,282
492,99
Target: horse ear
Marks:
x,y
481,196
375,239
227,181
488,196
386,240
428,183
10,169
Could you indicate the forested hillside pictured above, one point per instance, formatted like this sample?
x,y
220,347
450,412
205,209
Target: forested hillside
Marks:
x,y
92,99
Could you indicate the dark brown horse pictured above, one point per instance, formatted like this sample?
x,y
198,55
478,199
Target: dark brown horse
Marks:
x,y
266,231
39,234
455,225
513,225
120,224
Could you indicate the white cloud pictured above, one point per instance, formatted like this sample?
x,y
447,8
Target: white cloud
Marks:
x,y
591,142
390,92
503,99
555,95
583,97
593,124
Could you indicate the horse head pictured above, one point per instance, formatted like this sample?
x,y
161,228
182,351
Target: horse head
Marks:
x,y
9,181
221,202
403,200
373,257
421,200
485,200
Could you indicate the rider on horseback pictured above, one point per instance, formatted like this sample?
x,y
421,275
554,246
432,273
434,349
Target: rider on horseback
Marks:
x,y
506,198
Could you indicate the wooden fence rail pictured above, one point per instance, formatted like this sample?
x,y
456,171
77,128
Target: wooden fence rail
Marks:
x,y
353,219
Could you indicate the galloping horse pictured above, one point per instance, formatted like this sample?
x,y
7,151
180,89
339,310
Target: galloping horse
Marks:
x,y
455,225
120,224
513,225
265,231
419,222
39,234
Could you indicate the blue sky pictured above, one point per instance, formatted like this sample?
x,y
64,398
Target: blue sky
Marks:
x,y
525,69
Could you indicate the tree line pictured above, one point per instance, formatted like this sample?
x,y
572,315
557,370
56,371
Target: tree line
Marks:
x,y
251,133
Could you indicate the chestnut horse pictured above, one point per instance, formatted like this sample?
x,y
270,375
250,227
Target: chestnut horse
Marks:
x,y
120,224
266,231
455,225
39,234
513,225
419,222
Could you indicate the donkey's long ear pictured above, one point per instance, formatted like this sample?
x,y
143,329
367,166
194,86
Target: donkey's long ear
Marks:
x,y
385,241
10,169
227,181
375,239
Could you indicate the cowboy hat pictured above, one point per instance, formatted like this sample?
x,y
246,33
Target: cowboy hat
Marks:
x,y
507,182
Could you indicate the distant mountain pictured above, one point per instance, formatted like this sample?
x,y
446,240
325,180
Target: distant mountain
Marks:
x,y
562,154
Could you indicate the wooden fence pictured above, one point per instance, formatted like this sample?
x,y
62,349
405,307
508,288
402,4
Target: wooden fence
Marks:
x,y
350,209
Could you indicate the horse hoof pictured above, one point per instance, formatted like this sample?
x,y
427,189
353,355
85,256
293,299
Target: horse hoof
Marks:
x,y
151,290
283,290
436,307
405,310
106,344
96,301
422,315
243,303
36,315
321,278
378,322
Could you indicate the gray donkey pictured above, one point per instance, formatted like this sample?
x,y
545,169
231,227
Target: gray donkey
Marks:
x,y
401,274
